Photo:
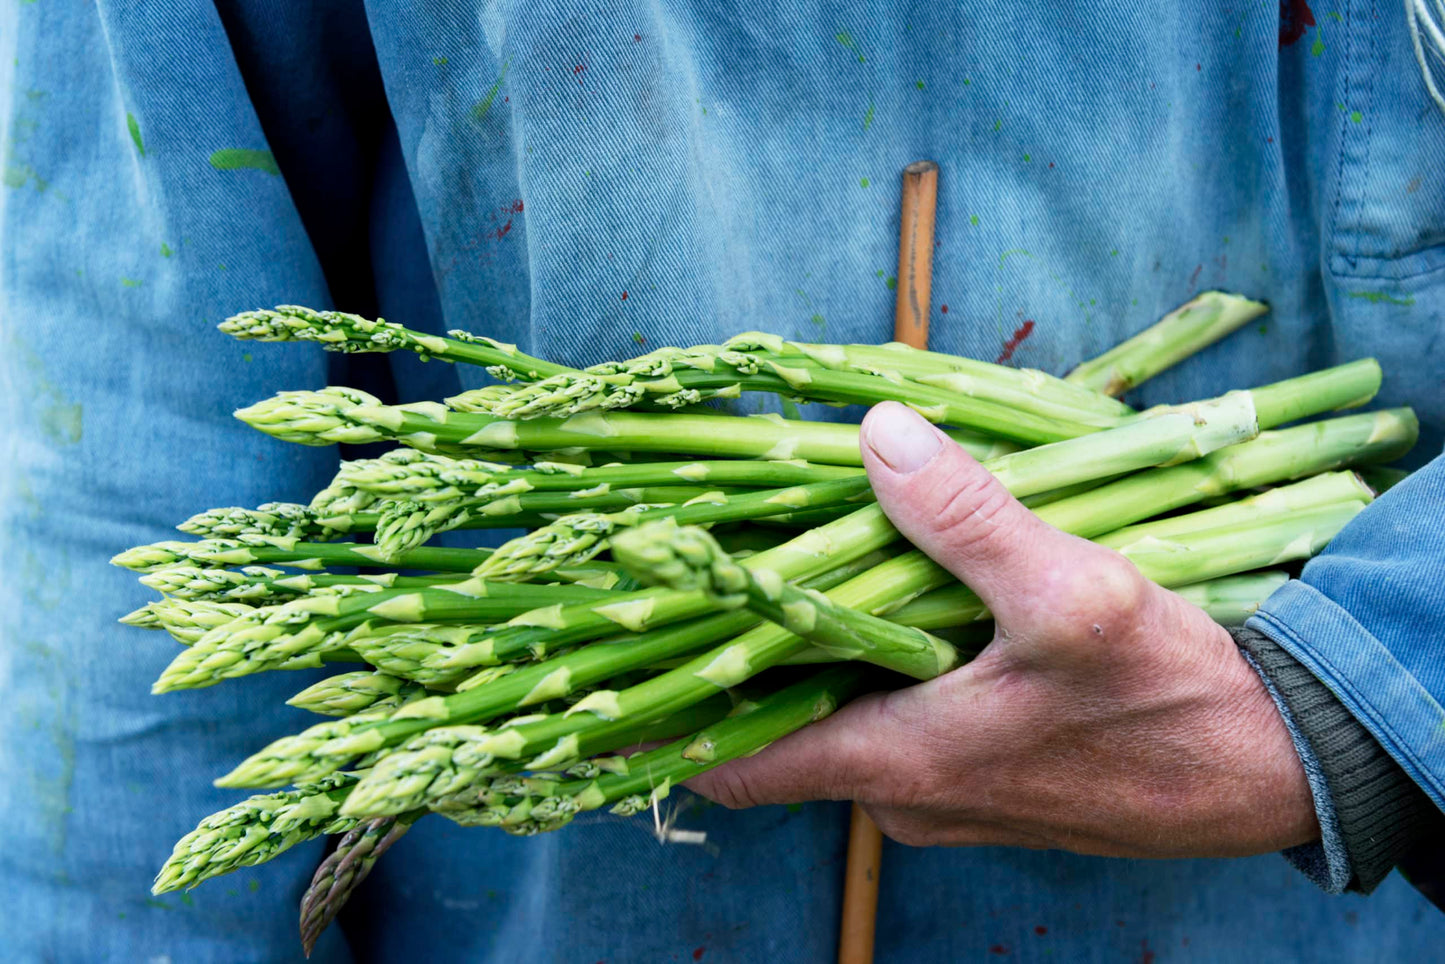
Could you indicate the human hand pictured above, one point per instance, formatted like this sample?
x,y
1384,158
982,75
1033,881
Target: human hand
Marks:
x,y
1107,716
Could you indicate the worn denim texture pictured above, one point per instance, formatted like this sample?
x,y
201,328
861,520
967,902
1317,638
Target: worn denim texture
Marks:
x,y
588,180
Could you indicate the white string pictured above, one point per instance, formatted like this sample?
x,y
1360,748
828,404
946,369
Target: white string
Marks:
x,y
1418,13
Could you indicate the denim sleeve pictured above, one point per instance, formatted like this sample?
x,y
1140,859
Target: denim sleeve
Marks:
x,y
1366,618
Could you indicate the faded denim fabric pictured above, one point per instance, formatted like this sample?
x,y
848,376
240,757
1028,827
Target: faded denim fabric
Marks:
x,y
591,183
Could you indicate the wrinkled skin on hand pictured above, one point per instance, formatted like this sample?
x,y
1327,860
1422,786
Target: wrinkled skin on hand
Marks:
x,y
1107,716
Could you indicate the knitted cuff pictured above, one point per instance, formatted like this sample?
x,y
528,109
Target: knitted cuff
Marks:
x,y
1381,811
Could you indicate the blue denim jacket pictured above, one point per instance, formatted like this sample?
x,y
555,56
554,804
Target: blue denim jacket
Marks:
x,y
594,181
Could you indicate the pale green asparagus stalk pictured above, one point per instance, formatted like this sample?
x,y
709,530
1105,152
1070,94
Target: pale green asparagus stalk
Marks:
x,y
1184,331
254,831
1327,488
1230,600
677,378
968,376
443,768
413,651
661,553
337,415
634,784
407,474
339,331
1272,458
358,692
291,552
1182,560
274,636
574,539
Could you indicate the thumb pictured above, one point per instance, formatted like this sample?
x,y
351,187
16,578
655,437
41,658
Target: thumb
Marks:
x,y
947,504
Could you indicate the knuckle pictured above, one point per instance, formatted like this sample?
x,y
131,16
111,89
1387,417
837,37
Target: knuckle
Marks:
x,y
1094,599
973,509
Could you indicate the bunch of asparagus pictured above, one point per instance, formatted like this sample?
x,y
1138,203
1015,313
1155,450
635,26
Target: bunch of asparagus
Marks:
x,y
683,570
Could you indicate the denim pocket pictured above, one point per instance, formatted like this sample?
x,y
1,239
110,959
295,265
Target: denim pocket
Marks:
x,y
1387,214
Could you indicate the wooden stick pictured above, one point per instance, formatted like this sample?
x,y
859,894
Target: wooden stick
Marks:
x,y
860,890
915,253
910,326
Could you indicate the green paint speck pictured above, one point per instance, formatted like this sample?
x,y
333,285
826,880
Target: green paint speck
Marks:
x,y
61,422
1114,253
1381,298
152,902
862,182
18,175
1263,327
246,357
186,899
892,283
880,273
997,125
973,220
1319,44
242,158
480,108
130,283
253,885
222,267
440,61
134,126
868,117
918,84
637,337
166,250
1356,116
1027,159
795,808
1336,17
967,82
819,321
846,39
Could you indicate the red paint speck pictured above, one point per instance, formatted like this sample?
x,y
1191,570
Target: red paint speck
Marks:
x,y
1194,278
1146,956
506,100
501,232
1295,16
1040,930
517,206
1198,67
624,296
637,38
1009,347
944,309
579,68
1051,163
697,954
999,949
1269,140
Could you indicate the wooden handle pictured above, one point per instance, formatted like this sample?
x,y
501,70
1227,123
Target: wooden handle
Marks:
x,y
915,253
910,326
860,890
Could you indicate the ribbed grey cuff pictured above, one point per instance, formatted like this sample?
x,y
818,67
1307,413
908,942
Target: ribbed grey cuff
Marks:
x,y
1380,810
